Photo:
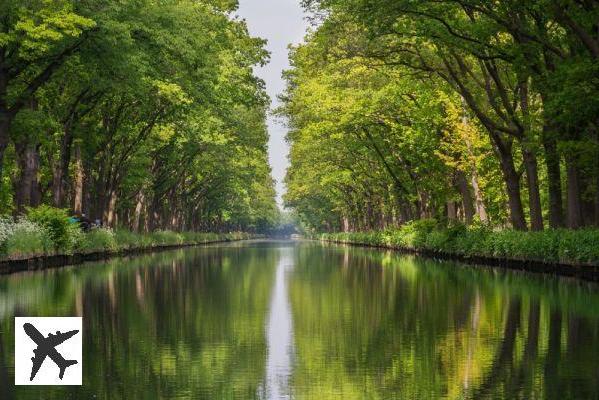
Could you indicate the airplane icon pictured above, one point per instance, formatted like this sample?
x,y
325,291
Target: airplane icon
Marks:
x,y
46,347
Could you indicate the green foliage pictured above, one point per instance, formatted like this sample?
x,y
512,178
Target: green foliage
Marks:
x,y
165,238
55,221
98,239
131,240
552,245
23,238
460,111
164,112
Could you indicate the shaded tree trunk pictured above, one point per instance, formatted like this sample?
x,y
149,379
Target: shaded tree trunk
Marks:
x,y
574,203
452,214
596,182
554,180
597,192
5,122
512,183
61,170
27,188
110,208
6,117
530,161
534,195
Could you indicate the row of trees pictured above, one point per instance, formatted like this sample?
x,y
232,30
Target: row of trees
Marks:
x,y
139,113
464,110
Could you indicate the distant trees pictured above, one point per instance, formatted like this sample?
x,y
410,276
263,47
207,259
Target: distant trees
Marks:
x,y
460,110
138,113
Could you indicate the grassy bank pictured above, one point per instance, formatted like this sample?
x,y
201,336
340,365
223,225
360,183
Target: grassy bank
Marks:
x,y
46,231
560,246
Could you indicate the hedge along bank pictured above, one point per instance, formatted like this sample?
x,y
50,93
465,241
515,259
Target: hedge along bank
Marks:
x,y
46,231
555,246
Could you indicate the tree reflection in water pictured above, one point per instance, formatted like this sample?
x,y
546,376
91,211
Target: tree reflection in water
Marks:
x,y
307,321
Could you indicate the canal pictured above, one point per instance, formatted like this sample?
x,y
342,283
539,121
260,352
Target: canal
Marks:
x,y
304,320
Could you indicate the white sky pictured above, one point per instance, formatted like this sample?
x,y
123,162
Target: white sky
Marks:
x,y
281,22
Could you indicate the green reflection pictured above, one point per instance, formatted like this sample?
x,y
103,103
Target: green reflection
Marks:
x,y
366,324
184,324
370,324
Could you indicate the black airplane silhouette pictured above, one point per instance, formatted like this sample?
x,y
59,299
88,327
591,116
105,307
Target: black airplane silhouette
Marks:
x,y
46,348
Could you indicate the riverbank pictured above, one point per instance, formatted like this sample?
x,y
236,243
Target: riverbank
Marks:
x,y
99,244
560,251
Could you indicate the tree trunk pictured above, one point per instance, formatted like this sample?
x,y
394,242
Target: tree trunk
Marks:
x,y
554,180
78,182
61,171
596,183
452,214
345,224
574,203
479,205
154,213
464,189
534,196
5,122
512,183
110,210
139,207
597,192
6,117
27,189
481,211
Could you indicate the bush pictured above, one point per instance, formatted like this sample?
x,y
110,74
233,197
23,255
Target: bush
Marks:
x,y
75,237
166,238
98,239
56,222
23,238
581,245
565,246
130,240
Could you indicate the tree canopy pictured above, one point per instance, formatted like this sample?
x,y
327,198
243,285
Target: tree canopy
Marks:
x,y
464,111
142,114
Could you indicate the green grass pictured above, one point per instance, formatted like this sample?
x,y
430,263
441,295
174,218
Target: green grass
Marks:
x,y
24,238
102,239
27,240
552,245
98,239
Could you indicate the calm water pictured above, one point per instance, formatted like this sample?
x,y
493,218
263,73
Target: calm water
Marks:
x,y
277,320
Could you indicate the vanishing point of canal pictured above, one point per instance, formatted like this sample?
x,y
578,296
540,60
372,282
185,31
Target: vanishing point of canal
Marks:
x,y
302,320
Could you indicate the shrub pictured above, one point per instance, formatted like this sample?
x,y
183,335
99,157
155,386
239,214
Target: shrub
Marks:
x,y
128,240
566,246
438,240
75,237
7,226
98,239
56,222
581,245
23,238
166,238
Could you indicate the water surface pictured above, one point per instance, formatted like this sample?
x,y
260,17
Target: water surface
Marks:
x,y
286,320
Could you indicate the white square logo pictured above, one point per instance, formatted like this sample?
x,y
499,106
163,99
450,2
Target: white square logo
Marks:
x,y
48,351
